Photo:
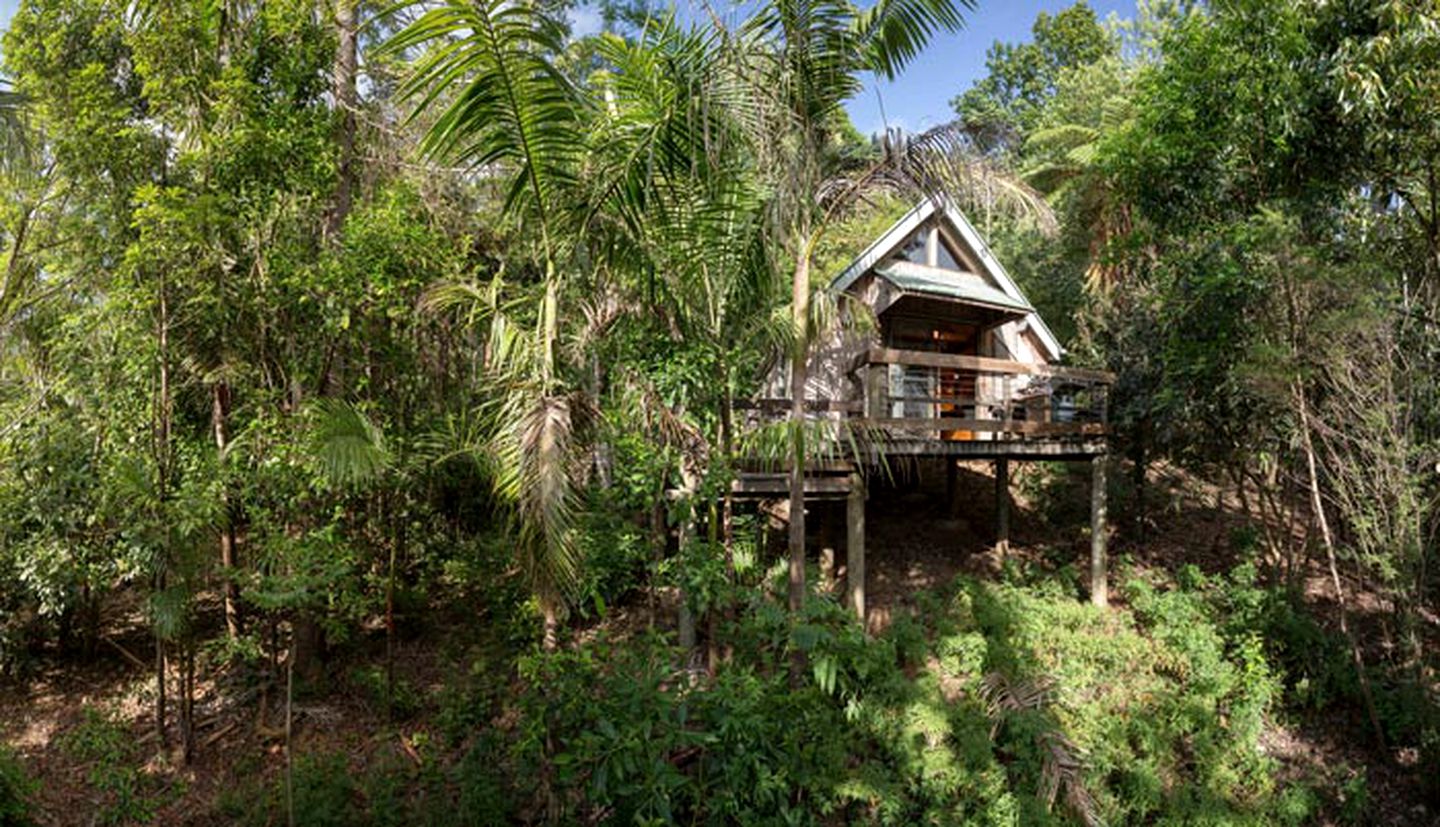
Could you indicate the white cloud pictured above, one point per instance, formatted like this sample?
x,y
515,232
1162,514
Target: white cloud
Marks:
x,y
585,21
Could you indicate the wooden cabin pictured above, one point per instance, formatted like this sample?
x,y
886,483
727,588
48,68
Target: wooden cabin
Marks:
x,y
939,354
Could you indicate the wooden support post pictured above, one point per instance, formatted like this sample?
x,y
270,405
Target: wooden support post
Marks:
x,y
952,499
855,545
827,546
1002,507
1099,588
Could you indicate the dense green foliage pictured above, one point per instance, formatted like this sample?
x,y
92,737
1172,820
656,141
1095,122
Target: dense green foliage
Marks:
x,y
953,716
15,790
330,333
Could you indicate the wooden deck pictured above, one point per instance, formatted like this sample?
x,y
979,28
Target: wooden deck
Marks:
x,y
1013,409
906,407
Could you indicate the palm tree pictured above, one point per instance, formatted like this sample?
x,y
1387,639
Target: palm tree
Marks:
x,y
585,173
804,59
702,206
516,117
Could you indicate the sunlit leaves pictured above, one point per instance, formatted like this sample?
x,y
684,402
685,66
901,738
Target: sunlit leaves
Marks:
x,y
487,66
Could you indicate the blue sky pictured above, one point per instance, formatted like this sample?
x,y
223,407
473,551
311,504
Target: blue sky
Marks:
x,y
920,98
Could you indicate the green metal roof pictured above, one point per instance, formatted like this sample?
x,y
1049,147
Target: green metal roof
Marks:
x,y
934,281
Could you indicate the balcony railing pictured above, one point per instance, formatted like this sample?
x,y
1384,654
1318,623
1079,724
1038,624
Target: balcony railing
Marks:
x,y
917,396
922,395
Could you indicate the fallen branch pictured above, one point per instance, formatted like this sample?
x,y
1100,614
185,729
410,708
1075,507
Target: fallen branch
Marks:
x,y
126,652
219,733
410,750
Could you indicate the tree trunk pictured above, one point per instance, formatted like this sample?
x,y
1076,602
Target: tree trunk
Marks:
x,y
1099,565
689,482
187,702
347,101
550,639
307,650
162,730
219,411
162,465
800,300
727,451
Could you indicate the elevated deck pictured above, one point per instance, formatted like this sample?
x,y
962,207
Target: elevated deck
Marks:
x,y
919,403
913,404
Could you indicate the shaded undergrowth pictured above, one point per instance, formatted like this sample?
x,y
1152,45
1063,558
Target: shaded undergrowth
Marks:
x,y
990,703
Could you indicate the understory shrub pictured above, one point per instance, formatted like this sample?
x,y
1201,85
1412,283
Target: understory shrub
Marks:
x,y
15,790
113,768
1315,667
988,704
617,555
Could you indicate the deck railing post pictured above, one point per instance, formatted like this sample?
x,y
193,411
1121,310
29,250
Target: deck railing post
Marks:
x,y
1007,401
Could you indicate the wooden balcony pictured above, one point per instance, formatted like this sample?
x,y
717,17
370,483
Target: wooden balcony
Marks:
x,y
911,394
912,402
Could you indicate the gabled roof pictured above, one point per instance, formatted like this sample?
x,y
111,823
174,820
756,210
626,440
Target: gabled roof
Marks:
x,y
1005,287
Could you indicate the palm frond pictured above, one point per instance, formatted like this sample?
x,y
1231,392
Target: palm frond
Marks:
x,y
543,462
944,162
514,108
347,444
1062,766
894,32
1062,763
814,53
1003,696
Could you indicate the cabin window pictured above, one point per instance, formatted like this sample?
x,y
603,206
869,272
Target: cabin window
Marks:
x,y
919,392
914,251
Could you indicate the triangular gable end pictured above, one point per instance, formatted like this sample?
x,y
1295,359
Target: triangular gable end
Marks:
x,y
901,231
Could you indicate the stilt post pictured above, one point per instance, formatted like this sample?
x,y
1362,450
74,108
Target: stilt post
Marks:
x,y
952,494
855,545
827,546
1099,587
1002,507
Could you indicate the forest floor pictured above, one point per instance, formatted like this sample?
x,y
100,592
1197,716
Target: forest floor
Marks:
x,y
91,768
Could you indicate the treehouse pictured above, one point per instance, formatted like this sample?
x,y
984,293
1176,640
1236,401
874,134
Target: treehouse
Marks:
x,y
938,356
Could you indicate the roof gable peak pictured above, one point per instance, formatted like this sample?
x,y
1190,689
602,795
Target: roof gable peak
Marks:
x,y
976,255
